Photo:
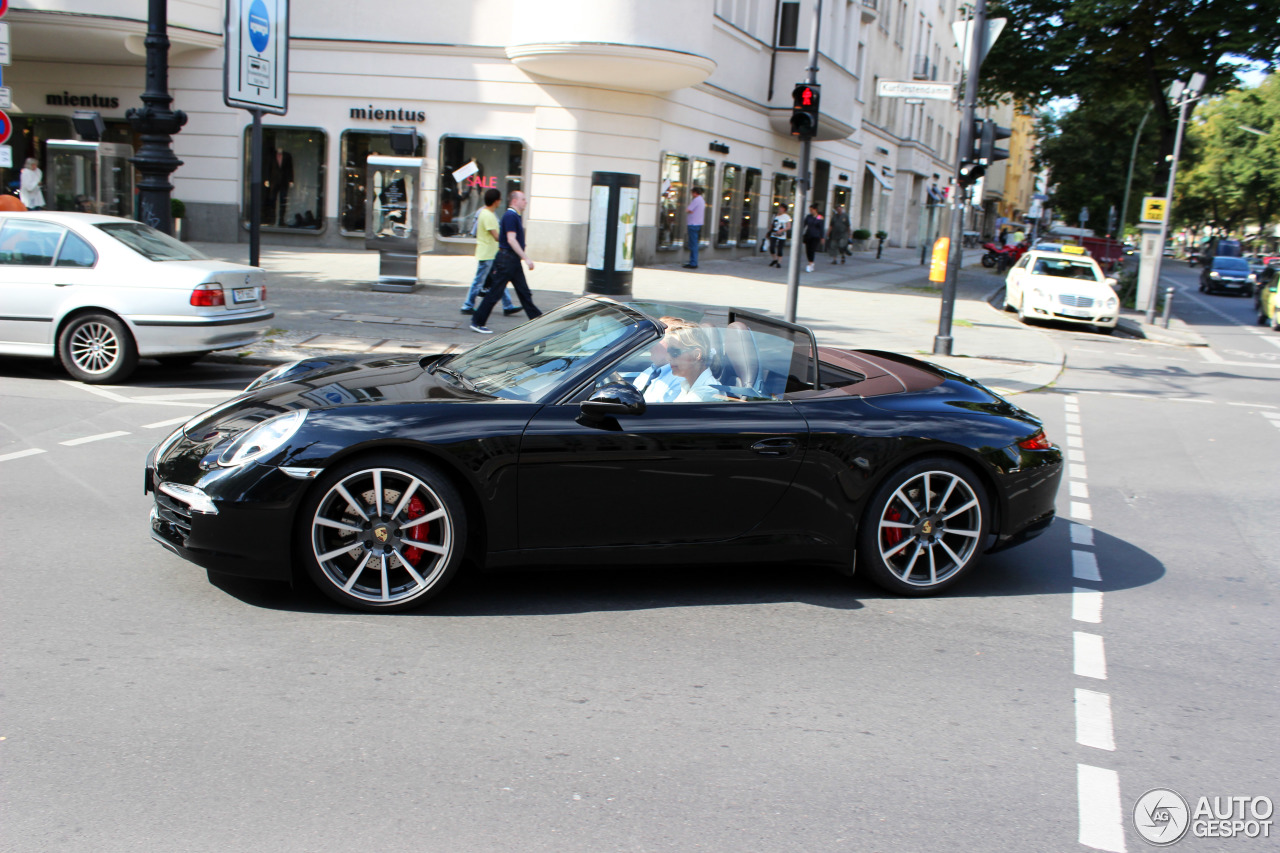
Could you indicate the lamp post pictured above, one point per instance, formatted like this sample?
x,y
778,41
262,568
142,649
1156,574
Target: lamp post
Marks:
x,y
1183,94
1128,182
156,124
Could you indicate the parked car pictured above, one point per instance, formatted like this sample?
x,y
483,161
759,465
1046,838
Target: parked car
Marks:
x,y
99,292
376,475
1269,306
1226,274
1065,286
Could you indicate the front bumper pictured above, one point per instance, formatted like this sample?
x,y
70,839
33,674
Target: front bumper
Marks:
x,y
1229,285
1086,311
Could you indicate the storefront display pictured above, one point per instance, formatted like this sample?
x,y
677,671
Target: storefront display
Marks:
x,y
468,167
293,177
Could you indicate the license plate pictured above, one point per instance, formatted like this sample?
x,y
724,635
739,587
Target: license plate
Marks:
x,y
1077,312
244,294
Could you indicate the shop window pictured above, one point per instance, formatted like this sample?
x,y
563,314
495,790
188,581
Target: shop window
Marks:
x,y
703,174
482,164
730,204
27,140
750,208
293,170
784,193
673,201
840,198
355,148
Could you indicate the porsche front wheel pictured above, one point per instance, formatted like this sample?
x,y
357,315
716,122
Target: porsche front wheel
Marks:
x,y
924,528
383,534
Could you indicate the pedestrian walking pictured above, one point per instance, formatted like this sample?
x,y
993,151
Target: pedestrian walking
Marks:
x,y
31,185
486,251
838,235
814,225
779,231
696,210
506,266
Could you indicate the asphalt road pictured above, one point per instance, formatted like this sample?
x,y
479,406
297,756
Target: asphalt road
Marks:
x,y
670,708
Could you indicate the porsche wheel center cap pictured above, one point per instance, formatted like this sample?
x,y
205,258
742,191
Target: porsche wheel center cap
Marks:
x,y
381,533
930,528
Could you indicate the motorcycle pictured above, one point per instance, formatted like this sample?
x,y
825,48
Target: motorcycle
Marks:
x,y
1001,257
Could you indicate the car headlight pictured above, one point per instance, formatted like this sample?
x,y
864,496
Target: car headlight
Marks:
x,y
1253,277
1215,275
1111,303
263,439
1038,293
273,374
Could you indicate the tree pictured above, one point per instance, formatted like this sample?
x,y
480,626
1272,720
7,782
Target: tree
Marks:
x,y
1101,50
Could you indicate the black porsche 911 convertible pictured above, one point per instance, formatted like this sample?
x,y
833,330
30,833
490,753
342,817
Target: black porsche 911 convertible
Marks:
x,y
549,444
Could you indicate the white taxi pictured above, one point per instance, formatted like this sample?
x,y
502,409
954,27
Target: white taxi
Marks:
x,y
1066,286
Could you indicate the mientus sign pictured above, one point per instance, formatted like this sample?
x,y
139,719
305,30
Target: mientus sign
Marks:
x,y
381,114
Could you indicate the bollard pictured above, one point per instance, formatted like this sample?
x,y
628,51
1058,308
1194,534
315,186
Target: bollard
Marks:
x,y
1168,305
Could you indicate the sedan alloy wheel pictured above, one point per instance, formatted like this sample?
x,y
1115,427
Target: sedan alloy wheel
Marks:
x,y
384,534
97,348
924,527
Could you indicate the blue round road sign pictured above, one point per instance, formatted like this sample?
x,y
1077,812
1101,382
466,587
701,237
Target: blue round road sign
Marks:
x,y
6,127
259,26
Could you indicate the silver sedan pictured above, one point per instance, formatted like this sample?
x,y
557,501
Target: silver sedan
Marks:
x,y
99,292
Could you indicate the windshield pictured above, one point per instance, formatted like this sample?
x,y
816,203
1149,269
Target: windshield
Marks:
x,y
1236,264
151,244
1065,268
532,359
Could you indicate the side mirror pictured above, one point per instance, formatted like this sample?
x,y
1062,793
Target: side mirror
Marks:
x,y
614,400
1110,282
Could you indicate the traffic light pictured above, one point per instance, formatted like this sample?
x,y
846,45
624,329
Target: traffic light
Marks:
x,y
804,110
992,133
971,167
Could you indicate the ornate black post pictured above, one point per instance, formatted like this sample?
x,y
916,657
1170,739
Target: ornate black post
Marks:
x,y
156,123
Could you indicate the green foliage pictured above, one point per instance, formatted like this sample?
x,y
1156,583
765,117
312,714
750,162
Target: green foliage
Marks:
x,y
882,235
1230,175
861,234
177,208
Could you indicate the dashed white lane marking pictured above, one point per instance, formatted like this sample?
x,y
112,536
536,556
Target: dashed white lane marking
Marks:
x,y
1074,429
1255,405
1090,658
1086,605
88,438
1084,565
1093,720
1081,534
1077,471
1075,441
170,422
1078,489
18,454
1101,817
1075,454
1080,510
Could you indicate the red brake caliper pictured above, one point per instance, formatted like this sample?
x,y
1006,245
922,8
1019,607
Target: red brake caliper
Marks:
x,y
893,535
418,533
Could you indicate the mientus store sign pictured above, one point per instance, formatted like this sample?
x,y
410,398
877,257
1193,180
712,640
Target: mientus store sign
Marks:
x,y
381,114
66,99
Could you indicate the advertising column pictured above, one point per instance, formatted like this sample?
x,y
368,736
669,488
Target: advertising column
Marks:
x,y
611,233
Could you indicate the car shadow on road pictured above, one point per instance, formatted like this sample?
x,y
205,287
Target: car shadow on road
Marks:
x,y
1043,566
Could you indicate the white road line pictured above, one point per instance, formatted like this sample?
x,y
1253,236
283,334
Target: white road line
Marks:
x,y
1211,356
1254,405
1084,565
1274,416
18,454
1080,472
1090,658
1073,416
1075,441
170,422
1187,400
1101,816
1077,489
1075,454
120,398
1086,605
1081,534
182,396
88,438
1093,720
1080,510
1074,428
93,389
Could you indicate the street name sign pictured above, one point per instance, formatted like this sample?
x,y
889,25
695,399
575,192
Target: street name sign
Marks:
x,y
1153,208
916,89
4,44
255,72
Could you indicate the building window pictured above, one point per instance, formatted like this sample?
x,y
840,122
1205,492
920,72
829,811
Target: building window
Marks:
x,y
788,24
489,164
703,174
730,204
784,193
673,200
292,177
750,208
356,146
27,140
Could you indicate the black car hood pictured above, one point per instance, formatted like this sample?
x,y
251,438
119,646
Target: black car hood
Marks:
x,y
355,382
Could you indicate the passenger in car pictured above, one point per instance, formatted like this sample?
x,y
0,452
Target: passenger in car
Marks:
x,y
657,383
690,354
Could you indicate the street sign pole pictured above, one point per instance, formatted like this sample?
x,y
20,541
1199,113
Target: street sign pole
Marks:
x,y
942,341
802,186
255,187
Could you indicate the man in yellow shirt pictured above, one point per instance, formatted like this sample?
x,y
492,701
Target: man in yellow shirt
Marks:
x,y
486,251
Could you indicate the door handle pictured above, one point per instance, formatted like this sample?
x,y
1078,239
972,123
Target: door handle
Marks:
x,y
775,446
62,284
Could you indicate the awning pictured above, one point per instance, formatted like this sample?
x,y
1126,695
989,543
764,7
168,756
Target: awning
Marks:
x,y
886,183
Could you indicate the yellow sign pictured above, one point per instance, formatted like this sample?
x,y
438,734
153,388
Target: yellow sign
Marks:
x,y
1153,209
938,263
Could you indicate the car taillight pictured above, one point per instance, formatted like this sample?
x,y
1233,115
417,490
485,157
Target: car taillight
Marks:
x,y
1039,441
262,293
208,296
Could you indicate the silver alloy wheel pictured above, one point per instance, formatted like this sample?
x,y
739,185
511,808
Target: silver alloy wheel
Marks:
x,y
94,347
382,535
930,528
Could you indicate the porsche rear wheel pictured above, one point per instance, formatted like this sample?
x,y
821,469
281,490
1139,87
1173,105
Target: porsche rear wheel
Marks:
x,y
924,528
382,534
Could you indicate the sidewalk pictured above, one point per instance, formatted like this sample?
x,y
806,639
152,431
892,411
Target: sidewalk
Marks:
x,y
324,304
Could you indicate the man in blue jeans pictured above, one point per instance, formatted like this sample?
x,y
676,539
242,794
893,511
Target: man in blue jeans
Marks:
x,y
486,251
696,211
506,267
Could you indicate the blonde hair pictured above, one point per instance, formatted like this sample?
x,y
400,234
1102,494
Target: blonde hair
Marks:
x,y
690,336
